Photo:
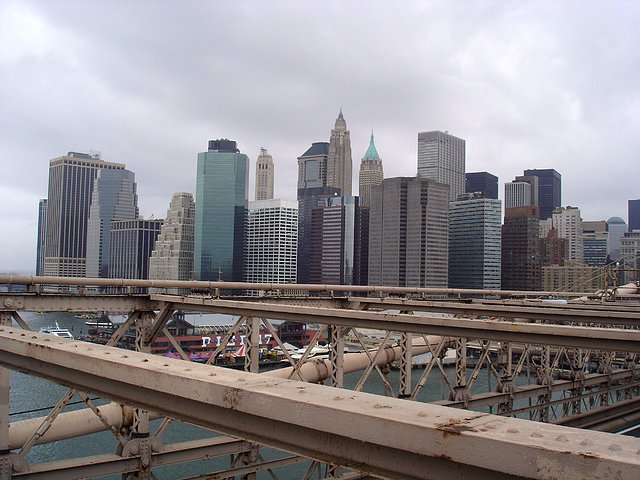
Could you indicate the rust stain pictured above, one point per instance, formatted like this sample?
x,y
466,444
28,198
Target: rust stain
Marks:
x,y
231,398
455,426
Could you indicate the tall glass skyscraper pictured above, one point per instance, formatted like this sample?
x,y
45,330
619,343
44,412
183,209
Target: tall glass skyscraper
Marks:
x,y
42,233
441,157
549,190
222,189
113,198
71,180
475,242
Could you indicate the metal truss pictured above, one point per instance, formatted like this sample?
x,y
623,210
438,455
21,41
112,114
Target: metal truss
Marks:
x,y
398,439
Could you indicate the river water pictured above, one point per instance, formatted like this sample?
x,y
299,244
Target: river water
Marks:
x,y
33,397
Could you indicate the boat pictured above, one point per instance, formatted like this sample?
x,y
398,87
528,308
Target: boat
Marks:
x,y
57,331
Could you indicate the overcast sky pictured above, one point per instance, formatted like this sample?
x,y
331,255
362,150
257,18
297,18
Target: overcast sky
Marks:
x,y
527,84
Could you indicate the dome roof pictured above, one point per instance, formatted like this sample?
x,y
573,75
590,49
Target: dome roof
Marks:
x,y
616,220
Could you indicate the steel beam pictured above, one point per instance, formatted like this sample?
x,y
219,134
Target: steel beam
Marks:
x,y
30,302
110,464
610,339
382,436
561,313
268,287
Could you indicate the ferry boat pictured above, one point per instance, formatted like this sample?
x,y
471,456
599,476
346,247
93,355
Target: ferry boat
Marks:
x,y
57,331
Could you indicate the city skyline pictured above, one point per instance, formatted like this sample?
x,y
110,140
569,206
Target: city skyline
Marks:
x,y
521,78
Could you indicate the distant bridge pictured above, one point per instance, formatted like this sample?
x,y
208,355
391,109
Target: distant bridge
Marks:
x,y
552,366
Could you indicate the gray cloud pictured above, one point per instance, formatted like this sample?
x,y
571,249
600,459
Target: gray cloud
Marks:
x,y
527,84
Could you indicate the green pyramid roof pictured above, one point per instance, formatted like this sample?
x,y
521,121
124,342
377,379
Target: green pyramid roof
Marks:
x,y
372,153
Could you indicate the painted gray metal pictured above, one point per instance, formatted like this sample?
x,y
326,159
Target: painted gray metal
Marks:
x,y
384,436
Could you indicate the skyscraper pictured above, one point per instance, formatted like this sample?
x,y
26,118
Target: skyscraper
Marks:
x,y
264,176
408,233
521,249
634,215
71,180
475,242
312,192
568,222
131,245
517,194
312,166
616,228
371,173
222,187
172,256
339,163
114,197
272,241
483,182
549,190
308,199
441,157
42,234
337,235
595,239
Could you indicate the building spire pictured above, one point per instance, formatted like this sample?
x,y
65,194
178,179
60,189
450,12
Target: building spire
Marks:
x,y
372,152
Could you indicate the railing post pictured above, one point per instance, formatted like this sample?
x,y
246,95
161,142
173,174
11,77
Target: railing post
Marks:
x,y
505,382
336,356
406,384
461,370
6,470
140,443
252,345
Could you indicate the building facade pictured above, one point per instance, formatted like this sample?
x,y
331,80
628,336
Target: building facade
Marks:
x,y
222,187
521,249
338,255
172,256
264,176
616,227
339,162
483,182
408,233
634,215
553,249
549,190
630,252
312,166
272,242
595,238
568,222
71,179
308,199
113,198
475,243
42,235
132,243
572,277
441,157
371,173
517,194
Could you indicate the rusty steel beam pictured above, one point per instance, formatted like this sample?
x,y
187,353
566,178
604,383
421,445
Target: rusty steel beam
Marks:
x,y
562,313
31,302
610,339
269,287
381,436
111,464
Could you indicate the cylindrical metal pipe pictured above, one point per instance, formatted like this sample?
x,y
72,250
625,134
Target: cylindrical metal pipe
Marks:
x,y
316,370
70,424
